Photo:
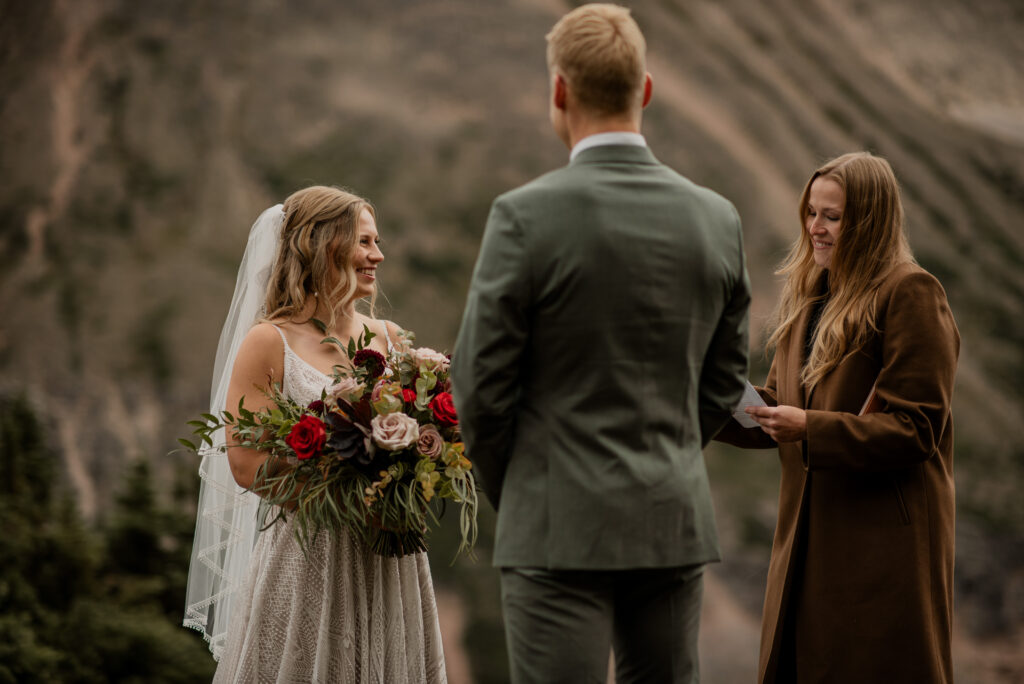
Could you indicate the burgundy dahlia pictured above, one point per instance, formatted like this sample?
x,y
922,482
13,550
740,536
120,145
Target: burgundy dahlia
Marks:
x,y
371,360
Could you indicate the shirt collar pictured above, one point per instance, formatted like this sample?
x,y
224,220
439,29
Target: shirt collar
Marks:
x,y
612,138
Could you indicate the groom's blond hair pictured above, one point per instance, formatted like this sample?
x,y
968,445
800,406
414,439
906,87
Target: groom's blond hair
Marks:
x,y
600,52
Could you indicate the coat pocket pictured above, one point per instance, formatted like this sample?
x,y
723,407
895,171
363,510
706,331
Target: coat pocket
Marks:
x,y
904,511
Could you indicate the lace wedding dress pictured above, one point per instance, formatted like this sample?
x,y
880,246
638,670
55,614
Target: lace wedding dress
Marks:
x,y
341,614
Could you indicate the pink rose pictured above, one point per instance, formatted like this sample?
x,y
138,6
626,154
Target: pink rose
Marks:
x,y
430,442
385,388
347,389
430,360
394,431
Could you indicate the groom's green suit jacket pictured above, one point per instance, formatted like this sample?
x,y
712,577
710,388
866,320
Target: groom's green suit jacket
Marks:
x,y
603,344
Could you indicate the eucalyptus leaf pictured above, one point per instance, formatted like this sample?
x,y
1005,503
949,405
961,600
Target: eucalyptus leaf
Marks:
x,y
366,336
333,340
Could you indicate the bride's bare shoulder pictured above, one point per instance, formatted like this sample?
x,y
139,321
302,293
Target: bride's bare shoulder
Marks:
x,y
393,329
265,332
263,342
260,360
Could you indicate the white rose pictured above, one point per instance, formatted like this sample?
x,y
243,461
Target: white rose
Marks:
x,y
347,389
434,361
394,431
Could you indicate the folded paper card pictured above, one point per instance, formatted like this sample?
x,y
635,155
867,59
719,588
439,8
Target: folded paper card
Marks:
x,y
750,398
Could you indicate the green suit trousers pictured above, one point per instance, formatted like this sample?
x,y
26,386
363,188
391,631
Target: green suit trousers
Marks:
x,y
561,624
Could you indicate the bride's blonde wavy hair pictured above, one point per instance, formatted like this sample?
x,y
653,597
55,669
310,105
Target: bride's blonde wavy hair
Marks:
x,y
314,254
871,242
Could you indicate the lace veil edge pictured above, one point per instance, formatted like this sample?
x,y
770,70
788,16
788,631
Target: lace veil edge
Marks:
x,y
226,516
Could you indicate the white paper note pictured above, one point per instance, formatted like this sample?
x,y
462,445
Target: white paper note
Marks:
x,y
750,398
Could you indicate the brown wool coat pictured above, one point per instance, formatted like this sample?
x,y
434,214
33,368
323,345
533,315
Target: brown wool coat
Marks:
x,y
860,584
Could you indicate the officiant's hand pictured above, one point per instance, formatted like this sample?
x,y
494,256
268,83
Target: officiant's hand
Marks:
x,y
782,423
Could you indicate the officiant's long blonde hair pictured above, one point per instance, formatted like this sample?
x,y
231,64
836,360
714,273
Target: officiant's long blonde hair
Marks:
x,y
871,242
319,233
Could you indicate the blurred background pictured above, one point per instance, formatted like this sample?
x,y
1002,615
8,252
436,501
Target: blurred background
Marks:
x,y
140,140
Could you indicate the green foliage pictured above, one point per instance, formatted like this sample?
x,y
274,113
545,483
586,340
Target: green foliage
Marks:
x,y
22,656
131,535
116,643
82,605
28,466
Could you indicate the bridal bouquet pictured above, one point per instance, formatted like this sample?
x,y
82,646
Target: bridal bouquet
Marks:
x,y
371,455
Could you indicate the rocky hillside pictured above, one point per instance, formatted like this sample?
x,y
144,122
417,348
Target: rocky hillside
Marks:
x,y
138,141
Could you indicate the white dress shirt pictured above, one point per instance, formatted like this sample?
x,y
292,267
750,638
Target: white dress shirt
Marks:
x,y
612,138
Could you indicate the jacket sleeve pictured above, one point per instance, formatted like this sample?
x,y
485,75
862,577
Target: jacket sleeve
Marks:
x,y
485,367
920,346
724,371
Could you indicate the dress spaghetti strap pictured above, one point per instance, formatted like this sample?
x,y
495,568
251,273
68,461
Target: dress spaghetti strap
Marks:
x,y
281,333
387,337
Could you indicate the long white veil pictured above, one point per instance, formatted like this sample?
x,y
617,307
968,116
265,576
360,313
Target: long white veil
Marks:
x,y
226,520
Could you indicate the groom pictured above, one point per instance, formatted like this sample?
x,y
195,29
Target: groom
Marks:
x,y
603,344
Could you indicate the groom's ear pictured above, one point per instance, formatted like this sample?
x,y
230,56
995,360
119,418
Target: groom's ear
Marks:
x,y
558,92
648,89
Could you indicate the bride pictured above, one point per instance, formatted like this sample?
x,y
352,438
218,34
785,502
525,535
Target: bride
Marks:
x,y
339,613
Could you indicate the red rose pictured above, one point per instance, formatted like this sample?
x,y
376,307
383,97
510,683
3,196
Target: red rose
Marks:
x,y
307,437
408,396
444,409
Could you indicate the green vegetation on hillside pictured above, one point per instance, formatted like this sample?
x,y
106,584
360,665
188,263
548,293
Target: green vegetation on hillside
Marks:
x,y
80,604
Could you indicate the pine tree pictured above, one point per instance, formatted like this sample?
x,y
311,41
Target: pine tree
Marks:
x,y
49,558
77,606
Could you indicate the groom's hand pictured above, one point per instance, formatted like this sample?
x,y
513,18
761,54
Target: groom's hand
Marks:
x,y
782,423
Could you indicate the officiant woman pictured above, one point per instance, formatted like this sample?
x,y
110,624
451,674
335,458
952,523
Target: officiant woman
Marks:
x,y
860,584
